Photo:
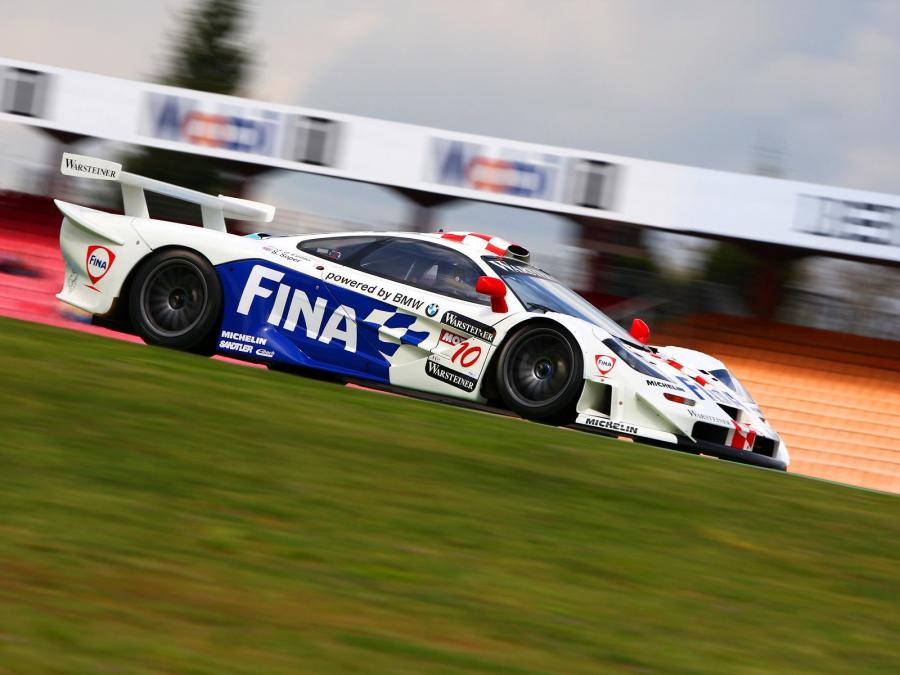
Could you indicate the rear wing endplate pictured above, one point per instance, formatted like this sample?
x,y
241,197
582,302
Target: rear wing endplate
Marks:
x,y
214,209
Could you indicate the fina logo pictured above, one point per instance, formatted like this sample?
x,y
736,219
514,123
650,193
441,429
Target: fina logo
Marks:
x,y
605,363
98,262
298,310
517,174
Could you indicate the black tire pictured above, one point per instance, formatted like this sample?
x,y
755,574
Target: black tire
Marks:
x,y
176,301
540,374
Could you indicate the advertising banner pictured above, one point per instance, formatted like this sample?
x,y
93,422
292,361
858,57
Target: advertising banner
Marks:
x,y
557,180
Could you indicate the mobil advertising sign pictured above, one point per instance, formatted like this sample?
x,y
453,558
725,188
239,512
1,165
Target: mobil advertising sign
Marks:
x,y
514,173
213,124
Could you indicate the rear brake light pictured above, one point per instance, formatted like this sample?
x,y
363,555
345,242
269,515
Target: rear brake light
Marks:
x,y
679,399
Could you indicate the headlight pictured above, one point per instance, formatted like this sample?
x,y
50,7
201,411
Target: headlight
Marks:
x,y
683,400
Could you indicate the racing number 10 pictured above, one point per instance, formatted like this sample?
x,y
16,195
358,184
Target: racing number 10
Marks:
x,y
468,356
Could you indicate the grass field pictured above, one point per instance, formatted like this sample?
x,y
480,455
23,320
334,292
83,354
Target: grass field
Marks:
x,y
166,513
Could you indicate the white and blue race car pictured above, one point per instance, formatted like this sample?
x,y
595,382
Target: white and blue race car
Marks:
x,y
457,315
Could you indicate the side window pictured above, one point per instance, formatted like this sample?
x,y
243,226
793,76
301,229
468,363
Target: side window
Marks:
x,y
338,249
428,266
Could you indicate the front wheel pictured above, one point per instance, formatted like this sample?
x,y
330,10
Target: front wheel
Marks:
x,y
540,374
176,300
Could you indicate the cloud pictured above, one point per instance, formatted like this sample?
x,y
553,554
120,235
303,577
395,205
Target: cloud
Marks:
x,y
305,43
93,35
692,82
870,165
838,110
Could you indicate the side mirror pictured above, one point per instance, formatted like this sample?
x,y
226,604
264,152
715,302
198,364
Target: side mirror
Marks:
x,y
640,331
496,289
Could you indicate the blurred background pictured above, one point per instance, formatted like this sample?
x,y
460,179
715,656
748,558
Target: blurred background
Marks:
x,y
726,171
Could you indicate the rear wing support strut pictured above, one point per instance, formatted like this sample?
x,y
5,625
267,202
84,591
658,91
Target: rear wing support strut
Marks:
x,y
213,209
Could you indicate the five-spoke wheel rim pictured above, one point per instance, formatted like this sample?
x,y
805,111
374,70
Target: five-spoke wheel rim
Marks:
x,y
174,298
539,367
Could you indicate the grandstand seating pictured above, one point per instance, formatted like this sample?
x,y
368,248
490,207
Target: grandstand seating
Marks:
x,y
28,234
835,398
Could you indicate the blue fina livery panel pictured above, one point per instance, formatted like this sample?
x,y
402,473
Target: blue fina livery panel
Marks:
x,y
272,313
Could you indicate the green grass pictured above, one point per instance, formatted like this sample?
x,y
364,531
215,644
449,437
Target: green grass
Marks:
x,y
164,513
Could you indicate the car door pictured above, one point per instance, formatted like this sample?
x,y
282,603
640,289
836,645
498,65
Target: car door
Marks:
x,y
326,320
424,323
274,309
277,308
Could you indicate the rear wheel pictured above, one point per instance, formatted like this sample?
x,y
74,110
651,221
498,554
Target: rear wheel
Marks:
x,y
540,374
176,300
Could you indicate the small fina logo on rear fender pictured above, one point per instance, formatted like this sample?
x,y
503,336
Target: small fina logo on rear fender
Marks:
x,y
98,262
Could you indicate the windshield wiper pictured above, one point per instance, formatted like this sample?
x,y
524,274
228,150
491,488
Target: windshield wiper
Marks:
x,y
534,306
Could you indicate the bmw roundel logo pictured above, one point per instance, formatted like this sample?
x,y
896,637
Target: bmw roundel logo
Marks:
x,y
431,310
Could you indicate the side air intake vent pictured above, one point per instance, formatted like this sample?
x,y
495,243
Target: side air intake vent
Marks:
x,y
764,446
732,412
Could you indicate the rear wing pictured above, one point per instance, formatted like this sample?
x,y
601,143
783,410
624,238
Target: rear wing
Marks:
x,y
214,209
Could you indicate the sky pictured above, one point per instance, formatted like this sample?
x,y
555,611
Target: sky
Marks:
x,y
700,82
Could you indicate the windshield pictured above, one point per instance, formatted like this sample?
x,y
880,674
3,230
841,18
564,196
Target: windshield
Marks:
x,y
538,291
735,384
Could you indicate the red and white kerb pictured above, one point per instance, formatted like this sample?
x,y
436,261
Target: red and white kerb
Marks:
x,y
484,242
